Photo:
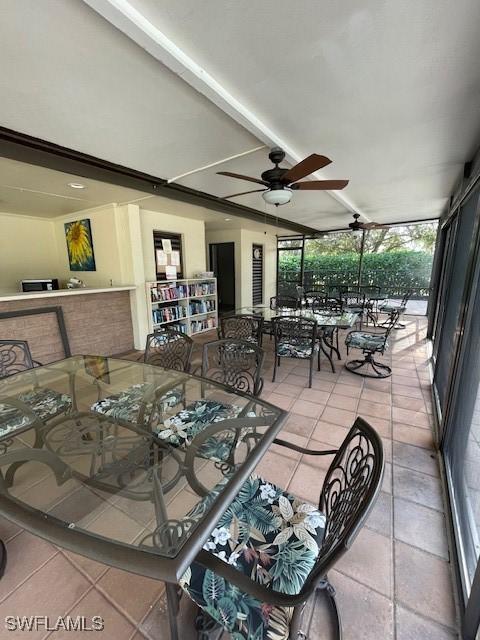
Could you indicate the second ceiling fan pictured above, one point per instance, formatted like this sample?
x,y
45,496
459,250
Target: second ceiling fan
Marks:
x,y
279,182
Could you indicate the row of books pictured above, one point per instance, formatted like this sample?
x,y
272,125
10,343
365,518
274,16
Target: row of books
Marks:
x,y
177,326
166,292
202,325
166,314
202,289
201,306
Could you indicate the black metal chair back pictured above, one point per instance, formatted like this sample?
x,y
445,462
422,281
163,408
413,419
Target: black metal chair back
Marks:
x,y
326,305
170,349
294,330
284,302
236,363
15,356
370,290
405,299
353,299
349,490
315,295
242,327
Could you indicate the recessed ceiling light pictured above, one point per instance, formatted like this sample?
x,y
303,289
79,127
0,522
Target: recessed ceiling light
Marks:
x,y
76,185
227,219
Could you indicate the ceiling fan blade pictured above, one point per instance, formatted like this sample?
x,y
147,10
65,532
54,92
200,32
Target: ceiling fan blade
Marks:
x,y
306,167
374,225
331,185
240,177
243,193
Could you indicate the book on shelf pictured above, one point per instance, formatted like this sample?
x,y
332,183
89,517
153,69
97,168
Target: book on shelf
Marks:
x,y
201,306
166,292
203,325
167,314
201,289
176,326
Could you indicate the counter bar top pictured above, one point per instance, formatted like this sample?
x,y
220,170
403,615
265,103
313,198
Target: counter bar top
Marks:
x,y
31,295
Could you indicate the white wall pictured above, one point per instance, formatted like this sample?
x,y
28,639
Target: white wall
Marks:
x,y
193,239
27,250
244,238
105,236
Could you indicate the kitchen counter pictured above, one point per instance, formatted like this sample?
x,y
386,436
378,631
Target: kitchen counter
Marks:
x,y
32,295
98,321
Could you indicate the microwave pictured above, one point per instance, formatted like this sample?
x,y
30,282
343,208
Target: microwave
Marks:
x,y
48,284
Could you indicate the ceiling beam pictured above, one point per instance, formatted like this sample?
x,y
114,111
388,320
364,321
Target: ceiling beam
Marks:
x,y
126,18
25,148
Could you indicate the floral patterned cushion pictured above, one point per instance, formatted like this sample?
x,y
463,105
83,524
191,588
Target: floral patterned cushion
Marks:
x,y
181,428
293,349
366,341
45,404
273,538
126,405
391,308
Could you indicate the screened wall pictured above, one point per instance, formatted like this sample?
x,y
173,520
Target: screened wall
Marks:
x,y
397,259
454,326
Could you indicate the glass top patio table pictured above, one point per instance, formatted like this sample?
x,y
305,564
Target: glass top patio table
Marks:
x,y
126,488
341,321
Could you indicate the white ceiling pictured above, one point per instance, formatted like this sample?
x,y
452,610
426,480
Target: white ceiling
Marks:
x,y
30,190
389,90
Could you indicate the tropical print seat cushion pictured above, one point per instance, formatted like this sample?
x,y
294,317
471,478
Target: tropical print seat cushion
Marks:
x,y
126,404
390,308
273,538
180,429
295,349
366,341
44,403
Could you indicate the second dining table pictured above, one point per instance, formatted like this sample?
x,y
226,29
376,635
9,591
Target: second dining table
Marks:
x,y
137,484
325,320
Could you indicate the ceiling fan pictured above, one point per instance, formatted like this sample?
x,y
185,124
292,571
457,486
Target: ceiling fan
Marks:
x,y
279,183
359,226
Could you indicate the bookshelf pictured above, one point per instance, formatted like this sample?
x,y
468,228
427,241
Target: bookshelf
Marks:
x,y
189,305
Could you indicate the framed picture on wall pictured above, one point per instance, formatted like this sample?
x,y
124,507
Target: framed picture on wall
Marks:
x,y
78,235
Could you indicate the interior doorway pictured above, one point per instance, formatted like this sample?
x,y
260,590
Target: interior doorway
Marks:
x,y
222,263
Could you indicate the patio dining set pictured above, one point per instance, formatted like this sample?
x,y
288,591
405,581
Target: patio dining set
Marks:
x,y
146,440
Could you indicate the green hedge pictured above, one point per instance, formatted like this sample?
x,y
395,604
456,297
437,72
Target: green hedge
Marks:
x,y
396,271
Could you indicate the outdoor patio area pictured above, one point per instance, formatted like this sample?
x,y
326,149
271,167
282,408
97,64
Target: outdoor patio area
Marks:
x,y
395,582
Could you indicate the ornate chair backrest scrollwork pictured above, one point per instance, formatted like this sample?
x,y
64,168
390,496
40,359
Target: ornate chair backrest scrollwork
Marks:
x,y
353,299
284,302
295,331
235,363
15,356
242,327
349,491
326,305
170,349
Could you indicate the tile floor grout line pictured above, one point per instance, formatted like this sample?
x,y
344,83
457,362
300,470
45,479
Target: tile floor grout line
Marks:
x,y
35,571
81,569
69,609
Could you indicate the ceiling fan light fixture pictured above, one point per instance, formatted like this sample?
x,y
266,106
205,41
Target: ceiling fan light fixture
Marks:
x,y
277,196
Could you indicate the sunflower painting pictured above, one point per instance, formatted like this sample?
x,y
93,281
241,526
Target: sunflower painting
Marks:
x,y
80,246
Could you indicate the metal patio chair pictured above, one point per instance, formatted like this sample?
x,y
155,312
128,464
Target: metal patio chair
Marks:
x,y
295,337
235,363
168,348
390,307
242,327
370,343
271,552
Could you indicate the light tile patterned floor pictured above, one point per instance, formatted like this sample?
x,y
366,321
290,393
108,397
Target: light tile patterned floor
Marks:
x,y
395,582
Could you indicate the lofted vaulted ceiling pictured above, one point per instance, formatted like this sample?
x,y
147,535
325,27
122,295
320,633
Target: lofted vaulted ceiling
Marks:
x,y
390,91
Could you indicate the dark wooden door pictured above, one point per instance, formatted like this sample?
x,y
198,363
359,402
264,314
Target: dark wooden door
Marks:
x,y
222,263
